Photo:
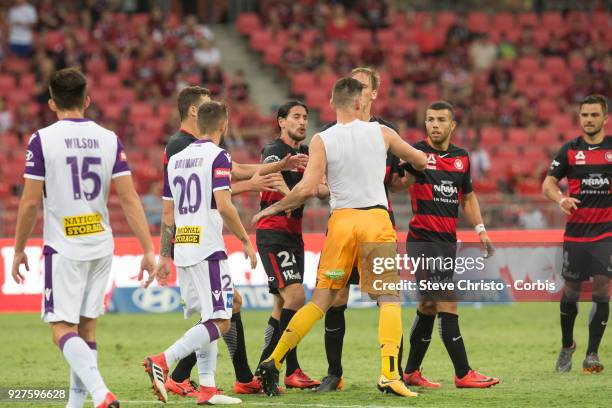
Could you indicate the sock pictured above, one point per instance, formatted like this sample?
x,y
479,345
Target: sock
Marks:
x,y
569,310
207,364
291,359
420,339
597,324
83,362
453,341
192,340
78,392
298,327
234,339
335,327
271,336
389,335
182,371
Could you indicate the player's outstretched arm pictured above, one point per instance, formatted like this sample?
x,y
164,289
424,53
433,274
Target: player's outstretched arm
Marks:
x,y
231,220
471,209
245,171
26,219
167,232
307,187
257,183
550,189
134,213
403,150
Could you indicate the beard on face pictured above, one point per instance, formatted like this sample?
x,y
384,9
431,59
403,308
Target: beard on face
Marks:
x,y
443,137
593,132
296,136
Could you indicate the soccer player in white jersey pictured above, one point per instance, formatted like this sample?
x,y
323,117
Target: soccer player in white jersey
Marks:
x,y
70,166
197,197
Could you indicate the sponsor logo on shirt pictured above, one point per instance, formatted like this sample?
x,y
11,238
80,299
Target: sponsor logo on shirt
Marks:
x,y
580,158
79,225
334,274
431,161
222,172
188,235
447,189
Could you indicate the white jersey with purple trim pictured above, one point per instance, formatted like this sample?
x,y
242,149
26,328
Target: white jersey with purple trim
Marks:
x,y
193,175
76,159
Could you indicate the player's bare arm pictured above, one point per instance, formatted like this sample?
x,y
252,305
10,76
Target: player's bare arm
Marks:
x,y
323,189
134,213
471,209
307,187
167,231
257,183
231,220
403,150
26,219
550,189
245,171
399,184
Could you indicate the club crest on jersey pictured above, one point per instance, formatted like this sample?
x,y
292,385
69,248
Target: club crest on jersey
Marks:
x,y
122,156
609,156
431,161
580,157
29,155
85,224
447,189
458,164
188,234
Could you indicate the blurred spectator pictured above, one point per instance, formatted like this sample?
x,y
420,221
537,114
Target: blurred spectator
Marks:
x,y
292,58
532,218
372,55
456,83
152,204
577,37
374,14
555,46
207,53
213,79
340,27
25,122
482,52
314,57
344,61
480,163
458,33
6,117
507,50
51,15
21,18
239,88
500,79
526,43
427,37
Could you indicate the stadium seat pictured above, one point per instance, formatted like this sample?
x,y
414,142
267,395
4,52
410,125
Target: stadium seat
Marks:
x,y
318,97
491,136
552,21
16,65
527,20
600,18
546,136
54,40
519,136
484,187
561,122
529,187
109,81
327,81
327,114
248,23
260,39
503,22
546,109
528,64
273,54
445,19
8,84
302,82
478,22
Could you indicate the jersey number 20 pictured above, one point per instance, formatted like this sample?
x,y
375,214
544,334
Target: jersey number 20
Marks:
x,y
185,187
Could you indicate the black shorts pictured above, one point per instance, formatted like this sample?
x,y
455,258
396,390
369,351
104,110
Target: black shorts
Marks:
x,y
284,265
436,262
583,260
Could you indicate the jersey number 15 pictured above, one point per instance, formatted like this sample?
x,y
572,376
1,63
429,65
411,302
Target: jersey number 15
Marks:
x,y
86,174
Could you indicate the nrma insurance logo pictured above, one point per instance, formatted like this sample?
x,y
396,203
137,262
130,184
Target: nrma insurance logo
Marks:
x,y
156,300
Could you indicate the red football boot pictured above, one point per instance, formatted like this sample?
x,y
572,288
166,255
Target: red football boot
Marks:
x,y
186,388
109,402
157,368
473,379
252,387
416,378
300,379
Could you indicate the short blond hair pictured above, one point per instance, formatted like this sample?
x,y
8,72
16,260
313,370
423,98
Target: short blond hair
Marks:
x,y
371,72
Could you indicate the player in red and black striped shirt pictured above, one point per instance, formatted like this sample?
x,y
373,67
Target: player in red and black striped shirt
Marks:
x,y
279,239
586,161
436,194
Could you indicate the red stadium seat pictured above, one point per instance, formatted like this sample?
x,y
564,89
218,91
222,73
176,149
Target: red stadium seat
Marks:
x,y
302,82
577,62
361,37
247,23
503,21
95,66
329,49
478,22
552,21
601,18
546,136
16,65
260,39
528,64
318,97
139,19
527,19
547,109
446,18
272,54
491,136
542,79
386,38
54,40
519,136
327,81
109,81
561,122
327,114
529,187
8,84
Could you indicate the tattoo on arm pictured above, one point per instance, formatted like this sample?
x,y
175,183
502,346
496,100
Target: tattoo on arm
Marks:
x,y
167,238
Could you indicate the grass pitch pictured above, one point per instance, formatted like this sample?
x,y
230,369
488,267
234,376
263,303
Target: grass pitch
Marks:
x,y
517,343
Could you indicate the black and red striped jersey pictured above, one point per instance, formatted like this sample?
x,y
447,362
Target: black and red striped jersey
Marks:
x,y
392,166
588,168
436,194
288,226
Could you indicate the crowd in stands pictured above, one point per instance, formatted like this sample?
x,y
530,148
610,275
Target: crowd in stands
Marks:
x,y
135,64
514,78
